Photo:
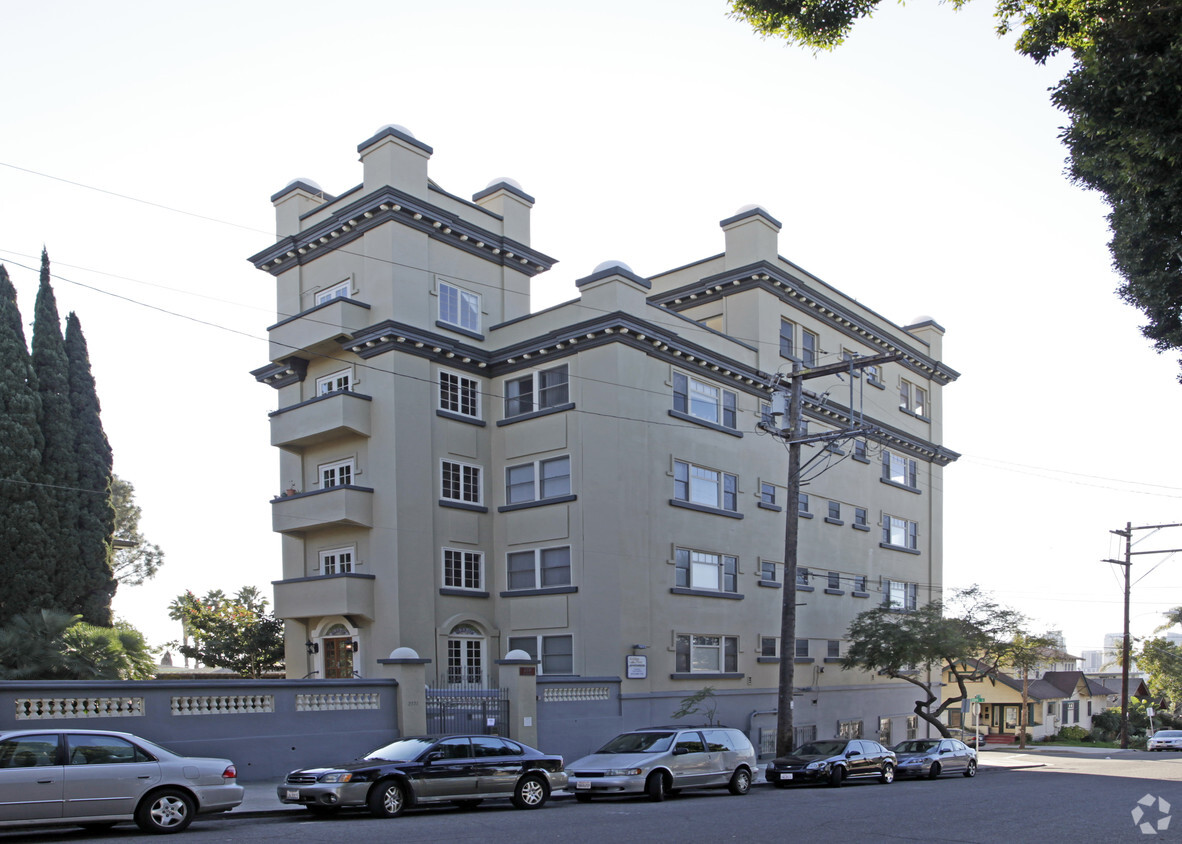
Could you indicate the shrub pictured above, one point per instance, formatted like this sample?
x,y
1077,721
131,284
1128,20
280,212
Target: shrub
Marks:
x,y
1073,733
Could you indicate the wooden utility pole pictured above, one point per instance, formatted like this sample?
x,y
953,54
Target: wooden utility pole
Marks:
x,y
792,432
1126,648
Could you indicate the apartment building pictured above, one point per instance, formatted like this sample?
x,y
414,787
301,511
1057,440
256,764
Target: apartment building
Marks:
x,y
588,483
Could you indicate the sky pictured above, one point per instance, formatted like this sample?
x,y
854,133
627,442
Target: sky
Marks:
x,y
917,168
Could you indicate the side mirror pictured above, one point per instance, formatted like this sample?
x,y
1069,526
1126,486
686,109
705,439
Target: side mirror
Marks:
x,y
852,754
433,756
680,750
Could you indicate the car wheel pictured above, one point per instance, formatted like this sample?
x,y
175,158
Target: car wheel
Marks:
x,y
164,811
531,792
934,771
971,770
888,773
656,787
583,798
740,781
466,804
836,775
387,799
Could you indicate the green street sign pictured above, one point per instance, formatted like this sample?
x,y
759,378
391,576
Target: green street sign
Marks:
x,y
978,699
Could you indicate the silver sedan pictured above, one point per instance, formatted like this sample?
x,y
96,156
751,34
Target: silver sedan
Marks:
x,y
96,778
932,757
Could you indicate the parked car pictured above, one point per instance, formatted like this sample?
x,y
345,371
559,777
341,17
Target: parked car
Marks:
x,y
660,761
1165,740
934,756
833,761
97,778
969,737
423,770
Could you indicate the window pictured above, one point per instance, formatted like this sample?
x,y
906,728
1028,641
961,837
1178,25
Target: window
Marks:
x,y
835,511
705,401
787,331
540,390
900,533
336,474
767,571
337,291
808,348
539,568
898,595
537,481
859,583
884,731
335,382
460,482
849,729
463,569
459,307
767,493
802,503
913,398
860,517
913,726
703,570
860,451
465,656
700,654
769,646
36,751
872,376
103,750
1070,712
705,487
802,648
834,580
336,561
833,649
802,576
555,652
459,394
898,469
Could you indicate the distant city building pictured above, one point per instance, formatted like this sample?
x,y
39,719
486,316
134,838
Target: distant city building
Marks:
x,y
463,477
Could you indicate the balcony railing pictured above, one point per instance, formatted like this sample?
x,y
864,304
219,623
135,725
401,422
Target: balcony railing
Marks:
x,y
318,330
324,418
333,594
334,507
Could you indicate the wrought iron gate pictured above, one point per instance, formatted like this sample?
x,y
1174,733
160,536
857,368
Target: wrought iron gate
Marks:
x,y
468,709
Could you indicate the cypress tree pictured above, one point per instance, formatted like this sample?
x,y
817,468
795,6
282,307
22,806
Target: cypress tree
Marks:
x,y
96,513
25,546
59,465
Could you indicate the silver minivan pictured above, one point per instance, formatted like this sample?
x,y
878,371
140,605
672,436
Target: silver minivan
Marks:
x,y
660,761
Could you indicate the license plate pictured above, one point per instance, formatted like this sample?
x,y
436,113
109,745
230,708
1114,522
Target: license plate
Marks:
x,y
293,794
583,785
785,776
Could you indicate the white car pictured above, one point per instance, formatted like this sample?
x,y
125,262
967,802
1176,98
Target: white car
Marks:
x,y
1165,740
95,779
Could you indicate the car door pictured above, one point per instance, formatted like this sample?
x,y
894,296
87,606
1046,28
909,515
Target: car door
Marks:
x,y
856,761
954,756
496,765
446,771
31,778
105,775
723,757
689,760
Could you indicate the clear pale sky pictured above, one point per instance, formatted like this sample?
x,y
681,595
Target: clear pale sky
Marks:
x,y
917,169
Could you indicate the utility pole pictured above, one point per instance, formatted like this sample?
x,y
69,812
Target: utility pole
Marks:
x,y
792,432
1127,562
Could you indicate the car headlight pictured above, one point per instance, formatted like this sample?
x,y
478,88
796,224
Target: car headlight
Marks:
x,y
622,772
336,776
817,766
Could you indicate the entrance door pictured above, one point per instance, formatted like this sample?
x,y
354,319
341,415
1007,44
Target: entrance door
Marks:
x,y
338,658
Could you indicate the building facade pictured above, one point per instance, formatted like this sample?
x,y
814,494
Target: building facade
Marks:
x,y
588,483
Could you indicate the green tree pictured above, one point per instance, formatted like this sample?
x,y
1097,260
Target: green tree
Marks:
x,y
236,633
136,559
1025,653
54,645
700,701
1123,100
95,523
25,546
1161,659
969,639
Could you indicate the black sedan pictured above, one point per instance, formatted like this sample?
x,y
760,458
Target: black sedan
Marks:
x,y
418,771
833,761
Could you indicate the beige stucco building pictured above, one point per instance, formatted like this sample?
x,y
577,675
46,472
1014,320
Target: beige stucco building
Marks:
x,y
586,483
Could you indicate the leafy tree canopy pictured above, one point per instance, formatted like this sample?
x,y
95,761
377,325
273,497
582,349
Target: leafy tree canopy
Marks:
x,y
54,645
1123,98
969,638
230,632
136,559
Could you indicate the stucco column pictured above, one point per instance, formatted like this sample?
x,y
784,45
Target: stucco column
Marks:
x,y
518,675
409,670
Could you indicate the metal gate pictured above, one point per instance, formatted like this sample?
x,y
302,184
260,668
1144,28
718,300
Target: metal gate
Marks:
x,y
468,709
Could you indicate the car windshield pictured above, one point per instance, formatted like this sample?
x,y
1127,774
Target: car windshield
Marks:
x,y
821,748
918,746
1168,734
402,750
638,743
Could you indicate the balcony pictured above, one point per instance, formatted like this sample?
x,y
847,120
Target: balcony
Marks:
x,y
332,594
330,417
318,330
335,507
